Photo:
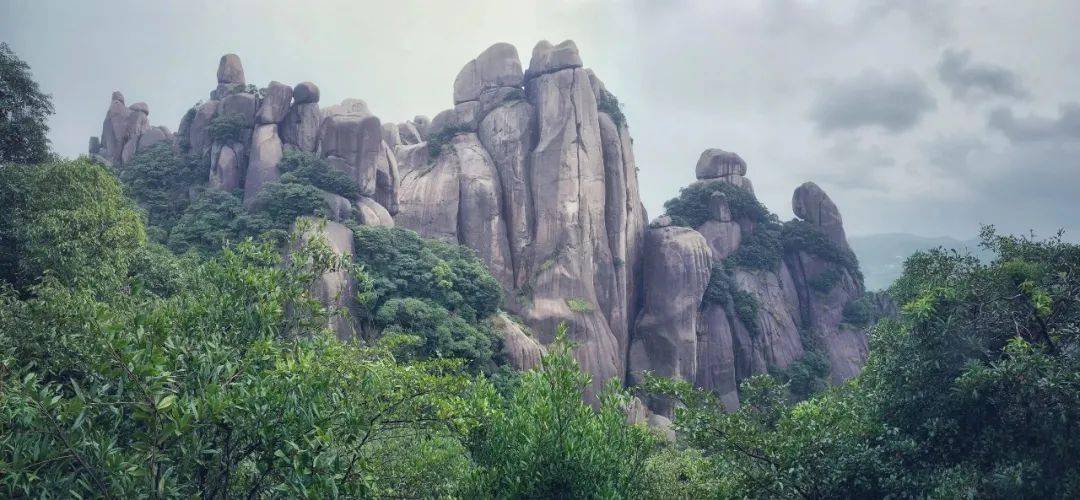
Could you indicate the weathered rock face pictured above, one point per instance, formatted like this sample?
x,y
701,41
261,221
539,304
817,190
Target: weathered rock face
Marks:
x,y
519,349
811,204
544,190
266,152
275,103
677,262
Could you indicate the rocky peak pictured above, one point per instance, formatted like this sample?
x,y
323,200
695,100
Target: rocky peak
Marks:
x,y
810,203
230,70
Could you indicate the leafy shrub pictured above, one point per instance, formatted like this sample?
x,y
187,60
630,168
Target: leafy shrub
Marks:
x,y
759,249
213,219
544,441
608,103
301,167
229,388
402,264
226,129
807,375
825,281
441,334
66,219
691,208
802,236
579,305
283,202
437,143
721,285
24,112
858,313
746,309
160,180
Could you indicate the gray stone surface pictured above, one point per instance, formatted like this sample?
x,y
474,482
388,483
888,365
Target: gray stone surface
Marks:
x,y
230,70
305,93
266,151
275,103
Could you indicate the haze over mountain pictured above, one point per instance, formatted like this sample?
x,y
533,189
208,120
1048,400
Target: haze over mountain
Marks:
x,y
882,256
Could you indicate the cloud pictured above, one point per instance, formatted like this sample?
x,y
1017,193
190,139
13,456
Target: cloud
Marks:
x,y
895,103
1036,128
971,80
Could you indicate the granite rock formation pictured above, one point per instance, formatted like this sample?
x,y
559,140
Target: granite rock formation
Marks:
x,y
533,168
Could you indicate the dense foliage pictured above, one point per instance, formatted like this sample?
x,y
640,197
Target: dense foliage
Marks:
x,y
544,442
301,167
24,112
693,205
228,128
161,181
971,392
126,371
65,219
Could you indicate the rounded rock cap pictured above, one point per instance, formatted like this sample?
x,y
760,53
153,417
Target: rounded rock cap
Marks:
x,y
230,70
716,163
305,92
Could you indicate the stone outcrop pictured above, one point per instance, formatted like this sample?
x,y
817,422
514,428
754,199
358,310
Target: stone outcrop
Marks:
x,y
534,170
334,287
125,132
676,263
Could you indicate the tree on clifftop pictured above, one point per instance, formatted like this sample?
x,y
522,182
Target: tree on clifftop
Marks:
x,y
23,112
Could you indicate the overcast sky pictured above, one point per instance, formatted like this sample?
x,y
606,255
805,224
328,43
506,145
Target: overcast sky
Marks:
x,y
915,116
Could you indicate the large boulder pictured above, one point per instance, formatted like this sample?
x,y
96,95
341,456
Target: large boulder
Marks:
x,y
498,66
463,117
354,145
305,93
199,131
371,213
348,107
520,350
548,58
227,166
274,104
507,136
716,163
300,127
266,152
230,70
240,105
152,137
677,266
810,203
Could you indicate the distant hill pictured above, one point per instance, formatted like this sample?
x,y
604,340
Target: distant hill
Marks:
x,y
881,256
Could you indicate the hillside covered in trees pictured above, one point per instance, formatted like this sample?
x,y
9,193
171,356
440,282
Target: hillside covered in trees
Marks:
x,y
163,334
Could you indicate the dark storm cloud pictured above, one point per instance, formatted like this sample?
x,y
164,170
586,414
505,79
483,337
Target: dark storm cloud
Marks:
x,y
1036,128
967,79
895,103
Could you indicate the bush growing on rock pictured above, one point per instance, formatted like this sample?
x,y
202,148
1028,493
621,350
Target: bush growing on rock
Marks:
x,y
225,129
692,207
301,167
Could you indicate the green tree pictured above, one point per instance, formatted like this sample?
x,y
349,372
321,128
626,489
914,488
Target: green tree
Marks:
x,y
68,219
24,112
543,441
